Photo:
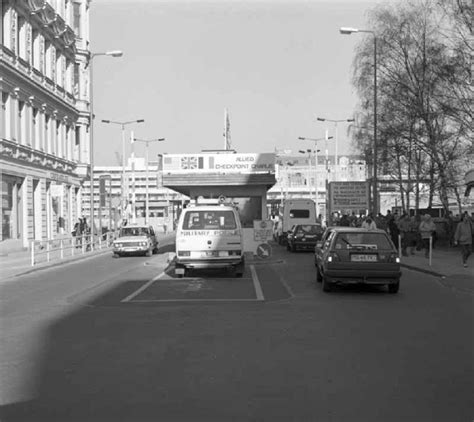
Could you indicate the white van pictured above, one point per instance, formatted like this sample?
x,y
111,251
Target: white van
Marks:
x,y
209,236
294,211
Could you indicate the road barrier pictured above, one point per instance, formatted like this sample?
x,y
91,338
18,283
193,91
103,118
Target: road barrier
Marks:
x,y
57,249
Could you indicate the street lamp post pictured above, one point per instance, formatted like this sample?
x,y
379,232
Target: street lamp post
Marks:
x,y
123,124
315,140
348,31
113,53
147,142
323,119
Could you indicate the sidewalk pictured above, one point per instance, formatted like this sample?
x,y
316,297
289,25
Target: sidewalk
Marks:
x,y
16,260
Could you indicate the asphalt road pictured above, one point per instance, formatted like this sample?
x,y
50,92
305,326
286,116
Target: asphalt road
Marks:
x,y
124,340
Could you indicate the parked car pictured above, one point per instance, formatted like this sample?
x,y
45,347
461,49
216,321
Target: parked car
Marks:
x,y
347,255
303,236
135,239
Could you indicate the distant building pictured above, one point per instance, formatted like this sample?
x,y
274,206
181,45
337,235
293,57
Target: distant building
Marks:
x,y
114,200
44,115
306,176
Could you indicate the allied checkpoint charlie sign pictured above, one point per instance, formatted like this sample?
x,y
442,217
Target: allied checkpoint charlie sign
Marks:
x,y
228,163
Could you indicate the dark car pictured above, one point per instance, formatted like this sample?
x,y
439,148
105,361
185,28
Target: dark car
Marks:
x,y
347,255
304,236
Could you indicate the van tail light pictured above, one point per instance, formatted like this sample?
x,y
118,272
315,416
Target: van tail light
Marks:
x,y
235,253
333,257
184,253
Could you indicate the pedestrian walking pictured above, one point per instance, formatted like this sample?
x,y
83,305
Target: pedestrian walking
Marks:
x,y
394,231
426,229
369,223
405,232
463,237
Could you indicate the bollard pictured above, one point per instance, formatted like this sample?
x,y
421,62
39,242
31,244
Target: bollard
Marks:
x,y
431,249
61,248
83,239
32,253
400,246
73,246
47,250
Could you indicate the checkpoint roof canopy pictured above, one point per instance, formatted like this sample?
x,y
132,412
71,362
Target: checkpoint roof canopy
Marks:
x,y
182,172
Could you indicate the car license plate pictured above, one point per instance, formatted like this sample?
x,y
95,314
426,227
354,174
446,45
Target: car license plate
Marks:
x,y
364,258
211,253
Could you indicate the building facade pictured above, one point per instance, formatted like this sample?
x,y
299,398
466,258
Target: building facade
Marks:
x,y
307,176
44,116
110,193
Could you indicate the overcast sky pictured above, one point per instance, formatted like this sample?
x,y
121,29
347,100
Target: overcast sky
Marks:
x,y
275,65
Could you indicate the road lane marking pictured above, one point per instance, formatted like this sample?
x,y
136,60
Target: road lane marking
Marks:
x,y
141,289
193,300
256,284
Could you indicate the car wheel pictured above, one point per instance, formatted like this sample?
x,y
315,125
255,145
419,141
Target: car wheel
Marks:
x,y
149,252
116,255
319,277
155,250
280,240
288,247
293,248
394,288
327,285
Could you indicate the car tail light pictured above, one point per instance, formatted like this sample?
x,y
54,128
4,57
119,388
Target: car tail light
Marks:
x,y
235,253
184,253
333,257
394,258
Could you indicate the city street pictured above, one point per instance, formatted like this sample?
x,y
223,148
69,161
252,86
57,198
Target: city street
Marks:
x,y
123,340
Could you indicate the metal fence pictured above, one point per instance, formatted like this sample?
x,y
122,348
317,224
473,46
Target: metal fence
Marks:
x,y
57,249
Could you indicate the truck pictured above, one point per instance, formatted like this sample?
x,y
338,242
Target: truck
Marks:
x,y
294,211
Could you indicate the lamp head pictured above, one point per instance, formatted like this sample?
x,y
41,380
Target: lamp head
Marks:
x,y
320,119
347,30
114,53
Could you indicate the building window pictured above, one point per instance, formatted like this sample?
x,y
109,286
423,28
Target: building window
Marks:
x,y
59,68
36,50
48,59
47,133
35,128
77,19
21,37
21,122
5,116
76,80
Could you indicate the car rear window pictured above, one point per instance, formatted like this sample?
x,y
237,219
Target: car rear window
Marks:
x,y
309,228
299,213
133,231
362,240
202,220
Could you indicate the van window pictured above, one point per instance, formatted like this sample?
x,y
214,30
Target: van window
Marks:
x,y
299,213
205,220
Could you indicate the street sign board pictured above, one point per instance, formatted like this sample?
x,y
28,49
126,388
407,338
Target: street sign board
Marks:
x,y
262,230
349,196
264,251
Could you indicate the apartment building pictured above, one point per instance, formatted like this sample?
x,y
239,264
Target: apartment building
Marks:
x,y
44,116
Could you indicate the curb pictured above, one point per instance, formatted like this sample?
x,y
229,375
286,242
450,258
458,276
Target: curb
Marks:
x,y
423,270
56,263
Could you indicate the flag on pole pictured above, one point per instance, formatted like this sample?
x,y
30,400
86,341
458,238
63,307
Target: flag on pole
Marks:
x,y
228,144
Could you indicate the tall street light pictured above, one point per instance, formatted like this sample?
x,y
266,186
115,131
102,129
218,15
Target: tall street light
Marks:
x,y
323,119
349,31
147,142
113,53
123,124
315,140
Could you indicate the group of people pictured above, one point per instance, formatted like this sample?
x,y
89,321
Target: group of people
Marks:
x,y
415,231
81,228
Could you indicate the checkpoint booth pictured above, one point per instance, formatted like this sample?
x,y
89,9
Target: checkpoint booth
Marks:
x,y
243,179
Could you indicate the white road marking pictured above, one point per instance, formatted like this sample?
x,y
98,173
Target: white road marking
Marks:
x,y
195,300
141,289
256,284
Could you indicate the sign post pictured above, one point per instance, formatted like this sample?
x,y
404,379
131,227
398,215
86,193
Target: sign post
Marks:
x,y
348,196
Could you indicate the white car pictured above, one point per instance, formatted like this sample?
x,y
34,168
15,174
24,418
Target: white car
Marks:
x,y
135,239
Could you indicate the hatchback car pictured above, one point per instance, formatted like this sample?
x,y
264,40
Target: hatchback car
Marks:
x,y
135,239
348,255
304,236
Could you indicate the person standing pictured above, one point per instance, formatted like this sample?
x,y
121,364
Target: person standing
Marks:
x,y
463,237
394,231
426,229
369,223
